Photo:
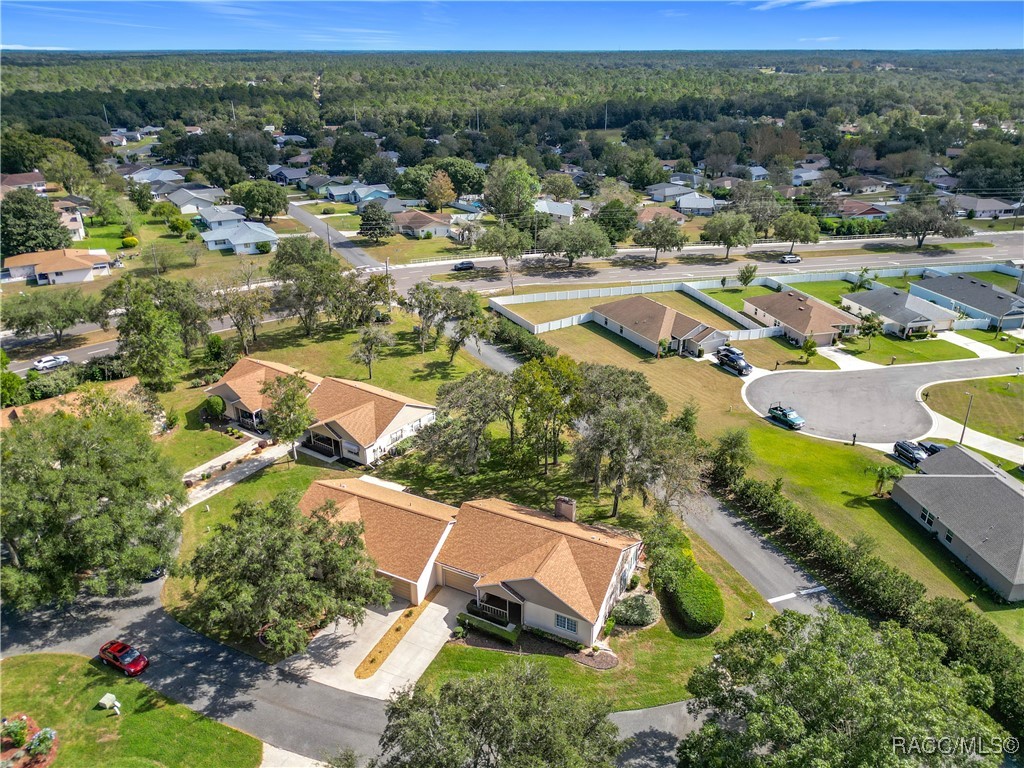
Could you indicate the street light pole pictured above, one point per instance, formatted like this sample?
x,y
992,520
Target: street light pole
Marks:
x,y
967,416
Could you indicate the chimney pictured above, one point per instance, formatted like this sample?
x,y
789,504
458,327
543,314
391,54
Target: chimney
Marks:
x,y
565,507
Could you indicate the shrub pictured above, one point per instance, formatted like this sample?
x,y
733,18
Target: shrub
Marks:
x,y
263,247
189,483
129,242
206,426
42,742
510,636
191,235
428,235
568,643
172,418
327,210
637,611
459,632
262,443
609,626
16,731
215,406
700,602
196,383
522,341
634,581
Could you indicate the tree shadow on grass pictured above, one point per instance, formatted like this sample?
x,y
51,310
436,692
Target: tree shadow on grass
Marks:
x,y
435,370
704,259
556,269
637,261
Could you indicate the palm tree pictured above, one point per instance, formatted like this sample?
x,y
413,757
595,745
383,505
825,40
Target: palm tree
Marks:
x,y
883,474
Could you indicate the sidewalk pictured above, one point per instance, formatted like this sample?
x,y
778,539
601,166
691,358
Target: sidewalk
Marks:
x,y
845,360
235,474
946,428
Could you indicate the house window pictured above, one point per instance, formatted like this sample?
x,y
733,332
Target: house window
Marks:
x,y
620,329
58,274
564,622
949,536
927,517
351,448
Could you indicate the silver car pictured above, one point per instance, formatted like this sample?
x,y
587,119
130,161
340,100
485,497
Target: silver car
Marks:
x,y
50,362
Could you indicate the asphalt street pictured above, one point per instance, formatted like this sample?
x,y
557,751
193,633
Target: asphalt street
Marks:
x,y
355,256
880,405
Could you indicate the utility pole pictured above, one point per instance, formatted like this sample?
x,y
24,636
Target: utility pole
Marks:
x,y
232,111
606,115
970,402
105,120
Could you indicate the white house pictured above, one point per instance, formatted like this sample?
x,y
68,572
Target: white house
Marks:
x,y
695,204
150,175
222,216
902,314
32,180
758,173
72,221
192,201
242,238
803,176
659,193
561,213
66,265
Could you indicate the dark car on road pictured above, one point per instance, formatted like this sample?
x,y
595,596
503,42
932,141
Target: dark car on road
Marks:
x,y
463,266
122,656
732,359
786,416
909,453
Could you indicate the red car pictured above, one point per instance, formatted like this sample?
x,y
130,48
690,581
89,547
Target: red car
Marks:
x,y
121,655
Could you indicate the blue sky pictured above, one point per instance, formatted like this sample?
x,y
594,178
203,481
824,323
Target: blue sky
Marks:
x,y
497,25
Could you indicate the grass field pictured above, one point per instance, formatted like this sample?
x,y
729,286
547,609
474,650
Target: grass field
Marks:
x,y
61,691
829,479
828,291
733,297
999,225
898,282
403,250
287,226
998,279
885,348
997,409
1012,344
764,353
188,445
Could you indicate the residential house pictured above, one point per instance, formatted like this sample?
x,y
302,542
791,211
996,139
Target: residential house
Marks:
x,y
523,566
801,316
319,183
192,201
243,238
241,389
391,204
59,267
696,204
758,173
289,138
366,192
802,176
660,193
902,314
788,191
725,182
193,130
114,140
945,183
32,180
152,175
668,165
974,298
301,160
858,209
149,130
861,185
984,207
340,193
692,180
222,216
72,221
647,323
954,152
584,208
67,403
649,213
560,213
389,155
419,223
286,176
975,510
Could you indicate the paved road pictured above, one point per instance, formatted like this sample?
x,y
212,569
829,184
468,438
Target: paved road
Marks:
x,y
880,405
355,256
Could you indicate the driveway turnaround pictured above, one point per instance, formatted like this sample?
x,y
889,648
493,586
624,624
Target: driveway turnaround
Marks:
x,y
879,405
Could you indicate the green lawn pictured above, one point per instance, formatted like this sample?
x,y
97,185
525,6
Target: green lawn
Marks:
x,y
998,279
827,478
344,222
897,282
288,226
1011,344
884,348
401,249
733,297
402,368
828,291
997,409
999,225
61,691
542,311
765,353
188,445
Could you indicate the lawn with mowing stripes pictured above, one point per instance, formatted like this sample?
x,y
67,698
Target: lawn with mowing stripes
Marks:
x,y
997,408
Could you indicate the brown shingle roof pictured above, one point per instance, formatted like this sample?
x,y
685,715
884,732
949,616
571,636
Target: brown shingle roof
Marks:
x,y
400,530
246,378
67,402
648,213
418,219
499,541
17,179
648,318
802,313
63,258
361,410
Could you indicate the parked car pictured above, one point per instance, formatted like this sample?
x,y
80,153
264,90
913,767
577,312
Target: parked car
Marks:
x,y
930,448
463,266
122,656
790,258
786,416
909,453
50,362
733,360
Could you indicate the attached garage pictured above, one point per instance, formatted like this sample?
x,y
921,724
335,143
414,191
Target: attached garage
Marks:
x,y
458,580
402,589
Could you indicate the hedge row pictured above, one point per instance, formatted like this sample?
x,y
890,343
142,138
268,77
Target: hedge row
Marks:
x,y
522,341
510,636
881,589
689,593
700,601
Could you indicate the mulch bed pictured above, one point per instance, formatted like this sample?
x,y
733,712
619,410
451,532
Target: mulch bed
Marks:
x,y
8,752
533,644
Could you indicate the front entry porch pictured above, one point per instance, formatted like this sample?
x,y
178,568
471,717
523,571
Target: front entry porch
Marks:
x,y
497,609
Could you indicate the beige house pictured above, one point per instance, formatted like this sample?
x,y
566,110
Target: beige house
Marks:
x,y
419,223
59,267
516,565
801,316
649,213
646,323
353,421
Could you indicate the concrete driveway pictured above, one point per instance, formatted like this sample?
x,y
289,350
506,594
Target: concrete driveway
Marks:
x,y
880,405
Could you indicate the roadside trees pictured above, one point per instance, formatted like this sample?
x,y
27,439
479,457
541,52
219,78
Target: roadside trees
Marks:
x,y
28,223
54,313
508,243
310,278
617,219
149,343
919,220
579,240
661,234
729,229
427,301
798,228
375,223
289,413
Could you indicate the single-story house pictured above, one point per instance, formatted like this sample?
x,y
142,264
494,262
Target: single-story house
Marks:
x,y
340,193
149,130
696,204
788,191
419,223
150,175
945,183
32,180
289,138
859,185
902,313
193,130
364,192
647,323
192,201
114,140
222,216
801,316
725,182
984,207
804,176
301,160
659,193
319,183
975,298
976,511
954,152
243,238
66,402
72,221
524,566
649,213
758,173
353,421
858,209
692,180
65,265
391,204
560,213
286,176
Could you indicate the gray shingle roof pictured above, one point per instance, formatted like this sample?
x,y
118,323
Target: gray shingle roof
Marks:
x,y
974,293
900,306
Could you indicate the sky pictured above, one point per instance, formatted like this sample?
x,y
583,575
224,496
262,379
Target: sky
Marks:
x,y
496,25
